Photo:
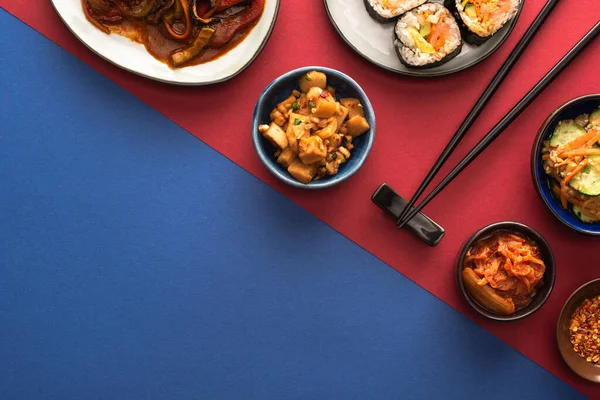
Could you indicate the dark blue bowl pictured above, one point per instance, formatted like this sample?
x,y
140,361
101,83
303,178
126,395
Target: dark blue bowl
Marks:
x,y
278,91
578,106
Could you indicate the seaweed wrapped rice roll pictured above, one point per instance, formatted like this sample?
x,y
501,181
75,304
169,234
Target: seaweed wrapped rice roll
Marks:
x,y
479,20
427,36
389,10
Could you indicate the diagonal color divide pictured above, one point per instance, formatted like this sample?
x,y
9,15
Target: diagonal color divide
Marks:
x,y
134,268
498,188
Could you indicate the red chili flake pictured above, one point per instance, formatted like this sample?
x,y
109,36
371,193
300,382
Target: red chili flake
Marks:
x,y
585,330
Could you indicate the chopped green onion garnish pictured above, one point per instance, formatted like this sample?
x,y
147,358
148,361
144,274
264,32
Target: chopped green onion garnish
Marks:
x,y
308,78
297,121
334,156
311,104
295,106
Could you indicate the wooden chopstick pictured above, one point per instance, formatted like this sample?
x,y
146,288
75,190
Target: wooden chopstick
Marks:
x,y
482,102
508,119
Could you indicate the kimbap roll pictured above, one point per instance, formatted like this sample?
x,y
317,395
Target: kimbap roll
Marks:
x,y
427,36
479,20
388,10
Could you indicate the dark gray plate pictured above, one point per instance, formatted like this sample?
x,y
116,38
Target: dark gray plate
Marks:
x,y
373,40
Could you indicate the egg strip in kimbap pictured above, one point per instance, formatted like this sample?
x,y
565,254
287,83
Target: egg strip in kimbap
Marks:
x,y
389,10
427,36
479,20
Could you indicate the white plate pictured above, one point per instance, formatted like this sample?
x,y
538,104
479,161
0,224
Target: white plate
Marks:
x,y
134,58
374,41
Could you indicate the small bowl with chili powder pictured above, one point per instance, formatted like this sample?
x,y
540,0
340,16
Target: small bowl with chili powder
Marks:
x,y
578,331
506,271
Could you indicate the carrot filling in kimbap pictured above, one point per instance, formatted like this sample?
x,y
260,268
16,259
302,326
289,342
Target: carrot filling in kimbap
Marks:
x,y
435,34
486,17
388,10
427,35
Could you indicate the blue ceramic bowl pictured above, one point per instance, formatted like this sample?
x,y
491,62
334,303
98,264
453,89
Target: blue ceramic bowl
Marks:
x,y
278,91
570,110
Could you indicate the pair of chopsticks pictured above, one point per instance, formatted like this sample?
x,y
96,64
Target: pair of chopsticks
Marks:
x,y
409,212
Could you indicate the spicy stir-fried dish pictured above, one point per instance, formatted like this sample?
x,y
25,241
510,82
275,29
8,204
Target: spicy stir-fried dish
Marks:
x,y
572,160
313,132
178,32
502,272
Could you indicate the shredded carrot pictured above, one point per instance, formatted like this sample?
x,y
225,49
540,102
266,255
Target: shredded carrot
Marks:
x,y
593,140
433,35
563,195
556,190
582,140
576,170
443,32
581,152
567,162
485,8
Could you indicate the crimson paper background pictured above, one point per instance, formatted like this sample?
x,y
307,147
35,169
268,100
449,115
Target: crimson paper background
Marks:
x,y
415,119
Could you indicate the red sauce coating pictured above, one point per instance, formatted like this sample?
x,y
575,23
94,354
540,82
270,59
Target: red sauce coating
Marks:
x,y
232,25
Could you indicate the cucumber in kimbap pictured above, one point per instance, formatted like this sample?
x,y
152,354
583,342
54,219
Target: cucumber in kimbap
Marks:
x,y
427,36
388,10
479,20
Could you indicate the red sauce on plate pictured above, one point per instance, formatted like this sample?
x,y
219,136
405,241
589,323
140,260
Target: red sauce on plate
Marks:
x,y
232,25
